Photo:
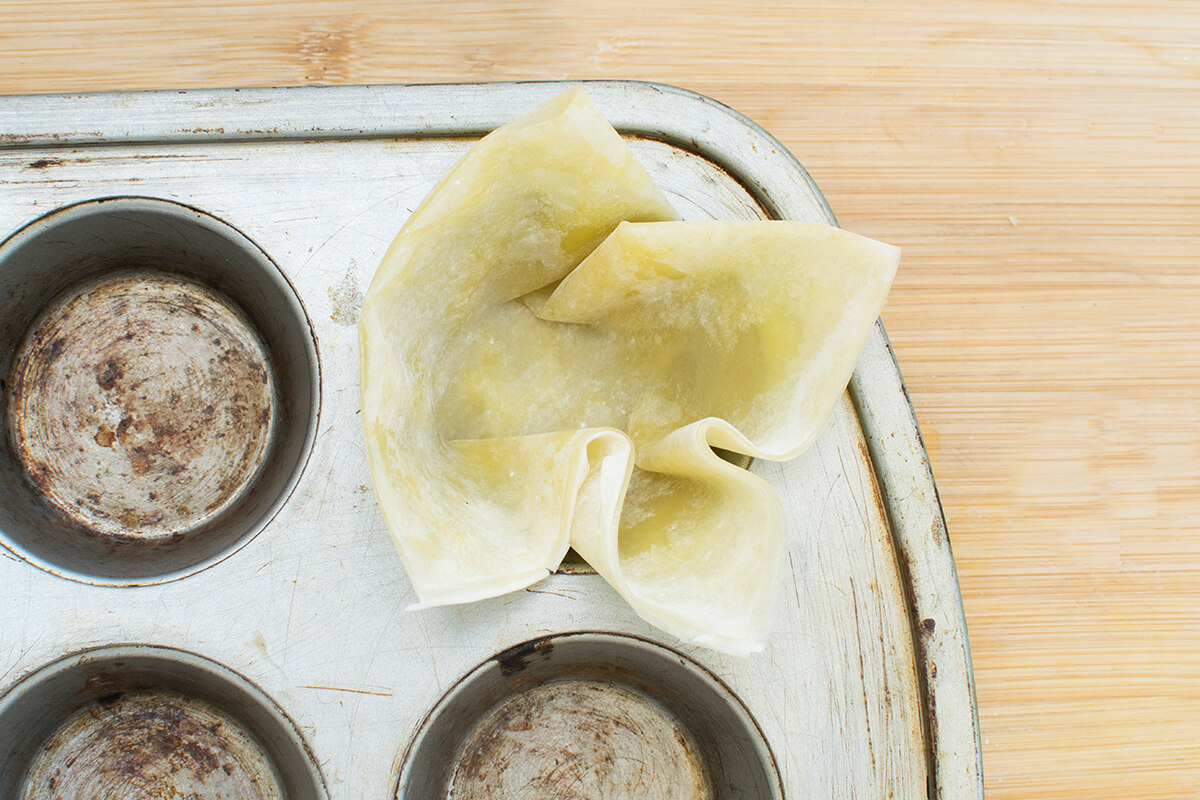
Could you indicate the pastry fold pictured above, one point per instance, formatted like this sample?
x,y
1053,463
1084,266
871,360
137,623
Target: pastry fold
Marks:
x,y
548,360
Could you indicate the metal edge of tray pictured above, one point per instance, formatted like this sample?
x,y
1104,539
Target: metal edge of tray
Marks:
x,y
682,118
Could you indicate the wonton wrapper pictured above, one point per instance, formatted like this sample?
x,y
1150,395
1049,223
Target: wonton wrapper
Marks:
x,y
531,382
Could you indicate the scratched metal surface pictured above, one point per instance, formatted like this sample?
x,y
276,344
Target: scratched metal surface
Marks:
x,y
865,688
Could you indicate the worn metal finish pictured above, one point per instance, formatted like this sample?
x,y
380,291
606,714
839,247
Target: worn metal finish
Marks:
x,y
141,405
864,689
134,722
582,715
578,739
163,743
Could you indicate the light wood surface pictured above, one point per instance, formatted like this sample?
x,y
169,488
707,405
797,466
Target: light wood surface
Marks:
x,y
1040,165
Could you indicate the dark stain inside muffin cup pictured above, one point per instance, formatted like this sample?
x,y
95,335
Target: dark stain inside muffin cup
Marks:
x,y
141,405
589,714
579,738
136,721
151,744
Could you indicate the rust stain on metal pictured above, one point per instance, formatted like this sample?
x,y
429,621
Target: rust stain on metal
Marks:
x,y
150,744
42,163
876,497
517,658
923,631
105,436
141,405
579,739
106,684
923,635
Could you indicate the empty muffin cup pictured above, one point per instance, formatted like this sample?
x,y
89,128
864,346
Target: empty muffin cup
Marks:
x,y
589,714
135,721
160,390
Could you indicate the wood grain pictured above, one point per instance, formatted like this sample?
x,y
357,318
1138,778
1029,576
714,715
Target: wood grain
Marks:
x,y
1040,165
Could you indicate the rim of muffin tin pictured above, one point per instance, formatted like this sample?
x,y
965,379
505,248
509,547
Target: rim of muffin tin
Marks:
x,y
38,706
207,254
731,753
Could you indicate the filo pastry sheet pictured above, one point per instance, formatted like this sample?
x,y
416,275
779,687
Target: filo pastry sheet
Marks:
x,y
549,358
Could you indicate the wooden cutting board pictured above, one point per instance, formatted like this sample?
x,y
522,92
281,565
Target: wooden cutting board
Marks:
x,y
1040,165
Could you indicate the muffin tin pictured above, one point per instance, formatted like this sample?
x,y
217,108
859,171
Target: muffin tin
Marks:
x,y
198,588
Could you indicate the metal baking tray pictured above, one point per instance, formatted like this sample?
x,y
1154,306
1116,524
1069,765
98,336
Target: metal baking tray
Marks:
x,y
263,625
